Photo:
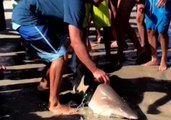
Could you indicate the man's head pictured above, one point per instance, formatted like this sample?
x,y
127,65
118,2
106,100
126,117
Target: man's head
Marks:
x,y
94,2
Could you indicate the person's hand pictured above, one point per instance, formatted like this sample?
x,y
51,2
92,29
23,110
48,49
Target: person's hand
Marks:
x,y
100,76
161,3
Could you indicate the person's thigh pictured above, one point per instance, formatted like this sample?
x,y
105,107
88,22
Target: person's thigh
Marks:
x,y
124,10
163,17
163,24
150,19
149,22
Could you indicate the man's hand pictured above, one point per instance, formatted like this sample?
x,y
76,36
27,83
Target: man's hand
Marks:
x,y
100,76
82,53
161,3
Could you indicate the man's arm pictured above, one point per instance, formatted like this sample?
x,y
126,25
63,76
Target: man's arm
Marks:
x,y
82,53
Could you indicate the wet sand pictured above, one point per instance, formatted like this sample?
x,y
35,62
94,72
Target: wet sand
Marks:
x,y
146,89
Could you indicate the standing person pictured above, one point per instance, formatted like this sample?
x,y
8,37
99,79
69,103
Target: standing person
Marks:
x,y
157,18
113,11
43,24
100,15
102,19
2,17
124,9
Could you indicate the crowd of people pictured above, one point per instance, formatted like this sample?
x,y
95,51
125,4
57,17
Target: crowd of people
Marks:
x,y
47,24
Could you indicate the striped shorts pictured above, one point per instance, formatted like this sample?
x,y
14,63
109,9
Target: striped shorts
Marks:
x,y
48,44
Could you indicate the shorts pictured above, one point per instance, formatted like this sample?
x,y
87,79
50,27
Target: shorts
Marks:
x,y
49,46
157,19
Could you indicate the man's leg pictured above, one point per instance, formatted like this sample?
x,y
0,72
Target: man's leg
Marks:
x,y
107,41
163,22
134,39
38,38
140,23
122,20
2,67
152,42
44,83
55,73
164,46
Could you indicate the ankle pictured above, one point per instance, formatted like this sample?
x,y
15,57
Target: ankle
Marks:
x,y
53,103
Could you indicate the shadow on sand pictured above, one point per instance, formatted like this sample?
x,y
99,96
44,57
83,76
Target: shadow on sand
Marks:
x,y
20,101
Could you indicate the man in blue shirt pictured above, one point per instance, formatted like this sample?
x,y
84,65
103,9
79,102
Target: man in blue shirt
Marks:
x,y
44,24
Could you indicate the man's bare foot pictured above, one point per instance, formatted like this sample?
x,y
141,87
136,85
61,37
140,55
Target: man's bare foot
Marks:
x,y
2,67
99,40
43,86
114,44
62,110
151,63
93,44
163,67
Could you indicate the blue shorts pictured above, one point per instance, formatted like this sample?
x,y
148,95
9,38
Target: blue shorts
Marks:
x,y
157,19
48,45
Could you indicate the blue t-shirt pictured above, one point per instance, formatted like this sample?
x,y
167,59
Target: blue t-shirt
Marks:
x,y
40,12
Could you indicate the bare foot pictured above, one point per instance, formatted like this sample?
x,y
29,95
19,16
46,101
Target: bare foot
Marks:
x,y
93,44
43,86
99,40
151,63
163,67
2,67
62,110
114,44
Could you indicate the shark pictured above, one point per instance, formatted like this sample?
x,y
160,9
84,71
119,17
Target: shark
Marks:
x,y
106,102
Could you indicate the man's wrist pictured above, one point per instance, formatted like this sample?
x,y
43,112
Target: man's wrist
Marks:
x,y
93,68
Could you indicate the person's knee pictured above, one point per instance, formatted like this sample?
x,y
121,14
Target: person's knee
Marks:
x,y
139,18
163,35
151,32
140,13
58,62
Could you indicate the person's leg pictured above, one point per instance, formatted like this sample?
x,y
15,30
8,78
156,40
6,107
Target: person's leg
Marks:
x,y
150,23
107,41
98,36
113,11
55,73
145,54
122,20
152,42
141,24
163,22
73,63
44,83
160,19
45,42
164,47
134,38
